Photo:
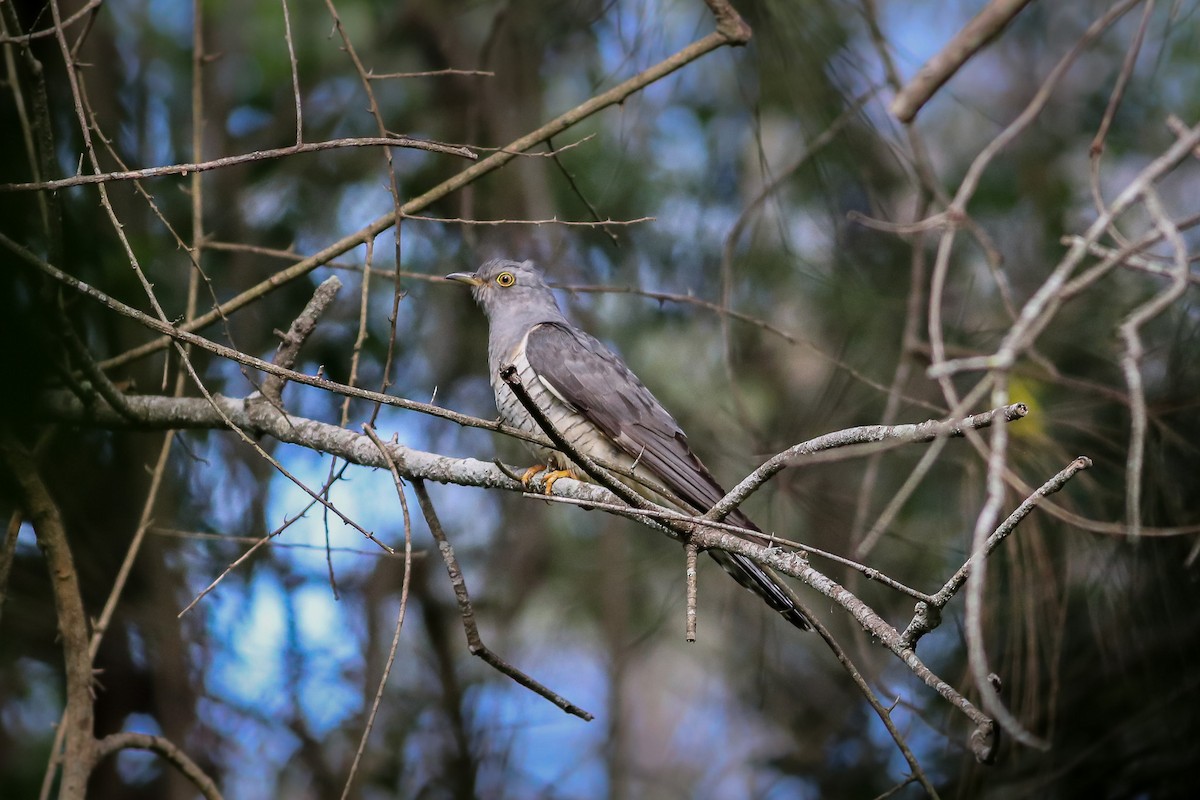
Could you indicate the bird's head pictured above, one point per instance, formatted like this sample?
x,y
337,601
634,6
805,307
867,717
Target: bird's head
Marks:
x,y
504,288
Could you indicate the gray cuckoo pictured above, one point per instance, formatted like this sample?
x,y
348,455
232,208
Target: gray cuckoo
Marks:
x,y
598,405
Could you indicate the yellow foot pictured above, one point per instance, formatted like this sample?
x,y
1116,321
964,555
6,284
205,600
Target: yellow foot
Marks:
x,y
551,477
527,475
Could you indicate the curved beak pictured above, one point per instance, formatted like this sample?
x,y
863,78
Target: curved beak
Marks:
x,y
469,278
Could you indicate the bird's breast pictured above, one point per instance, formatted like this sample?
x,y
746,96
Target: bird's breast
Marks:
x,y
573,425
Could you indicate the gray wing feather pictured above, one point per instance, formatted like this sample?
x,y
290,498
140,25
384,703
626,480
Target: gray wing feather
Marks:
x,y
583,372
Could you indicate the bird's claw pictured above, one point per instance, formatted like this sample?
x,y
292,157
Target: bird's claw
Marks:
x,y
551,477
528,475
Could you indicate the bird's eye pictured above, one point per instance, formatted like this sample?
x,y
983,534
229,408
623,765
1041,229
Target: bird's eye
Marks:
x,y
506,279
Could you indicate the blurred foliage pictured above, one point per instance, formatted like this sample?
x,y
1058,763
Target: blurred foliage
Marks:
x,y
266,682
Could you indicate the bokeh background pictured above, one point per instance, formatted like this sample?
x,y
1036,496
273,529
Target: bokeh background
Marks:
x,y
265,682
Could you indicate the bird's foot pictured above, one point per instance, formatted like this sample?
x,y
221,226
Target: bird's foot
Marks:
x,y
528,475
551,477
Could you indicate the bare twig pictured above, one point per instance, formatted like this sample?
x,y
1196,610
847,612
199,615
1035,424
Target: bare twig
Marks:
x,y
287,36
1127,258
474,642
257,543
164,747
994,17
867,434
598,223
274,542
690,576
864,688
42,512
244,158
1130,331
8,551
45,33
1114,102
929,613
731,30
404,586
997,451
433,73
1045,302
299,331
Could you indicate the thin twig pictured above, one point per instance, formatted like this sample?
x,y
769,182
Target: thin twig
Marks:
x,y
598,223
164,747
45,33
474,642
174,533
8,552
244,158
690,551
299,331
994,17
433,73
404,585
731,31
881,711
1130,332
259,542
1114,102
867,434
927,619
997,453
287,36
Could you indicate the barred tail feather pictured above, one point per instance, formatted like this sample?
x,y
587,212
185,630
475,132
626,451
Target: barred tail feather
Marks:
x,y
763,583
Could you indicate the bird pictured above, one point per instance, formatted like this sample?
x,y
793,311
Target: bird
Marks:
x,y
599,406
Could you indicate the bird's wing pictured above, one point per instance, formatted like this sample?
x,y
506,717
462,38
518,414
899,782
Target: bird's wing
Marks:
x,y
583,372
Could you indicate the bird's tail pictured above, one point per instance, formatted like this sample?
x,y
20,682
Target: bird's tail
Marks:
x,y
764,583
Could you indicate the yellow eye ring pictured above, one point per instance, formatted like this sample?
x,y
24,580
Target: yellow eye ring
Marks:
x,y
506,279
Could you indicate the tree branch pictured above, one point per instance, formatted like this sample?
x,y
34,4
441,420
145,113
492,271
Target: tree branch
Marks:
x,y
474,642
966,43
244,158
43,514
300,329
867,434
164,747
732,30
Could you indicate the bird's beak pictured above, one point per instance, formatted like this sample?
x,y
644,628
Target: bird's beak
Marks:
x,y
464,277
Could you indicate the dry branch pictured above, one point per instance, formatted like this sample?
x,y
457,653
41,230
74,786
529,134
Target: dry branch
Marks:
x,y
232,161
966,43
731,30
114,743
43,514
474,640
